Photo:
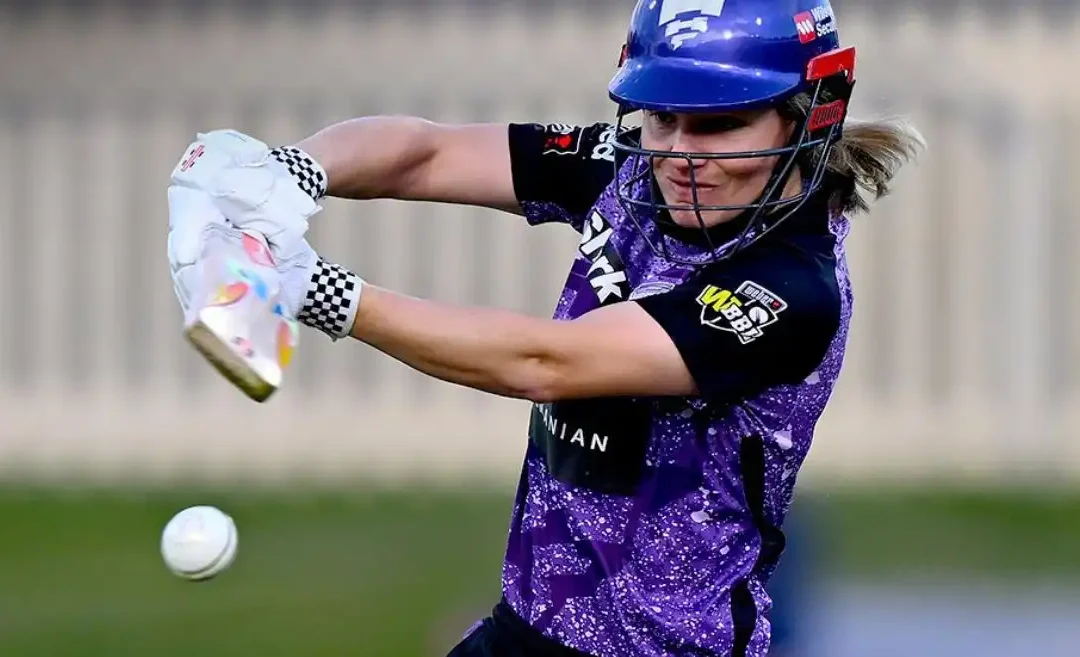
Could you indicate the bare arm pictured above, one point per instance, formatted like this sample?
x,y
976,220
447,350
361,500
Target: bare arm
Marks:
x,y
614,351
409,158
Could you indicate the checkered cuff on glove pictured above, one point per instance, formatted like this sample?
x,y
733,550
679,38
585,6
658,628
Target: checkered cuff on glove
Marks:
x,y
331,301
309,174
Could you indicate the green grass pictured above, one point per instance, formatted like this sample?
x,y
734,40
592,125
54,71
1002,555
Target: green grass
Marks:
x,y
1000,535
403,573
376,573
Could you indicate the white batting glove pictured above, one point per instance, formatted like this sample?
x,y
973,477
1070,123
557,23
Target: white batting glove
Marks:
x,y
271,192
231,180
192,219
322,295
318,293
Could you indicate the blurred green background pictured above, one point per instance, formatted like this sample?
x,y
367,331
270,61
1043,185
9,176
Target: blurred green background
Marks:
x,y
402,573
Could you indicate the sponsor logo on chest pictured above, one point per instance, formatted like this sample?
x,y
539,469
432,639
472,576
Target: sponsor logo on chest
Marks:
x,y
606,273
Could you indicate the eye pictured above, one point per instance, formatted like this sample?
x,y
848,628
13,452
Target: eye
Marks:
x,y
716,124
665,119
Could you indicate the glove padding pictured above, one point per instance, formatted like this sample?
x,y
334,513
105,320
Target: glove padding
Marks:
x,y
193,221
317,293
192,218
268,192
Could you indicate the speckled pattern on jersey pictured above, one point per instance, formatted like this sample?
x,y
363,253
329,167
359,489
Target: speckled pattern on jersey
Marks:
x,y
652,574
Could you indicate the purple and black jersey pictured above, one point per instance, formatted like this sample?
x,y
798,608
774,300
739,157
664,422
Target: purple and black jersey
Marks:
x,y
649,526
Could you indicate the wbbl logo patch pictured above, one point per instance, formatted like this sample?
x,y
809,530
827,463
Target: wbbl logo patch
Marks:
x,y
744,312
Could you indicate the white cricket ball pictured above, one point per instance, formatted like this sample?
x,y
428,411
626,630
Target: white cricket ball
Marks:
x,y
199,543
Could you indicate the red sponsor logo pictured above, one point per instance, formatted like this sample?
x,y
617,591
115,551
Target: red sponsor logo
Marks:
x,y
559,143
827,115
806,26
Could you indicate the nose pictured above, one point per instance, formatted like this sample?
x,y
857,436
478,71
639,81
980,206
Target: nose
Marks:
x,y
686,143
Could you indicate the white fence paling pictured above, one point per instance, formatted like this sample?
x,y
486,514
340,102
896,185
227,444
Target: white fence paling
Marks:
x,y
964,345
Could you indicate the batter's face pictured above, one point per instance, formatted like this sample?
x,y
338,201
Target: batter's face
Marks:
x,y
718,181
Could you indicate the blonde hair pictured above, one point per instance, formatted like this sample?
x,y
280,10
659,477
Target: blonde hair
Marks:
x,y
865,160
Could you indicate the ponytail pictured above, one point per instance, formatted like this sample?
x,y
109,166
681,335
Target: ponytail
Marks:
x,y
865,160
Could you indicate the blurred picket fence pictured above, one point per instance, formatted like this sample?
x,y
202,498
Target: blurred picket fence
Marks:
x,y
964,353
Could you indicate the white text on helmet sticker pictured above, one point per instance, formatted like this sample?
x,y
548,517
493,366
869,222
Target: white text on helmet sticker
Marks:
x,y
817,22
695,19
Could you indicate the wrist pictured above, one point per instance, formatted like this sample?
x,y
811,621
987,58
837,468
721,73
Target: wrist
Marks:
x,y
331,300
310,176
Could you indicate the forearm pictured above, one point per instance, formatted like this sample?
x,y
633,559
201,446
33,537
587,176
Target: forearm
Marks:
x,y
372,157
491,350
414,159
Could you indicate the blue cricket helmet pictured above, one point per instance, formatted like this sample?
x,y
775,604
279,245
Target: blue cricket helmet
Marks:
x,y
715,56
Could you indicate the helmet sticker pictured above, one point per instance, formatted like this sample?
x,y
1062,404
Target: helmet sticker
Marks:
x,y
816,23
678,31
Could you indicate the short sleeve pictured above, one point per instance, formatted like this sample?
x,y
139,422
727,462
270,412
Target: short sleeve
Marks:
x,y
560,170
741,330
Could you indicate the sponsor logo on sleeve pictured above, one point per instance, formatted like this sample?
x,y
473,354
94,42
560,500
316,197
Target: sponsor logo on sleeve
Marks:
x,y
561,139
746,311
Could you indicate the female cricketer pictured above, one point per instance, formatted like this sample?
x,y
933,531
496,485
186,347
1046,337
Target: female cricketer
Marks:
x,y
697,339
